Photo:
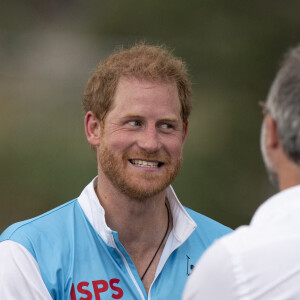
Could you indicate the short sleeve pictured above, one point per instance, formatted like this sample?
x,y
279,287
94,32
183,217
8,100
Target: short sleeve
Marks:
x,y
20,276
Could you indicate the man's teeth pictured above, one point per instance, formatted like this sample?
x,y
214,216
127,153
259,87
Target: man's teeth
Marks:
x,y
143,163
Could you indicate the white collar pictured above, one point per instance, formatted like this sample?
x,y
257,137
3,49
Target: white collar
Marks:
x,y
183,224
273,209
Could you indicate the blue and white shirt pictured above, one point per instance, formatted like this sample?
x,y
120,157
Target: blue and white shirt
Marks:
x,y
71,253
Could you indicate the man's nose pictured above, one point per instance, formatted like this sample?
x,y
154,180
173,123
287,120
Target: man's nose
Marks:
x,y
149,139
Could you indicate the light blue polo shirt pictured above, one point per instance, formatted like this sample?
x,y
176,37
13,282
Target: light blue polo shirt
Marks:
x,y
80,257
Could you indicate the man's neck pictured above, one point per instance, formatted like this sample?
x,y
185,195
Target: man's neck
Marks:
x,y
139,223
288,173
131,218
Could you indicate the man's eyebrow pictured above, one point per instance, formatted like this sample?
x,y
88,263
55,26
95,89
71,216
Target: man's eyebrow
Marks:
x,y
167,118
170,119
131,116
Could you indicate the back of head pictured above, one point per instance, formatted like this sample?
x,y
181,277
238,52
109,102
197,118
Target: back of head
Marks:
x,y
140,61
283,104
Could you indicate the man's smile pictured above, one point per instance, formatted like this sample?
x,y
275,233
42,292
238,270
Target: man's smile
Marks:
x,y
146,163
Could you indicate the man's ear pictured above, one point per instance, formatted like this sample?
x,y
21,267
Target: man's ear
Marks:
x,y
273,141
92,128
185,130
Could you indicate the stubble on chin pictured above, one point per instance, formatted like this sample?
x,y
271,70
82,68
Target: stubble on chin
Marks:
x,y
136,187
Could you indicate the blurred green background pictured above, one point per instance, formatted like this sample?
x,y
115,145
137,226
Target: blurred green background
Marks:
x,y
48,50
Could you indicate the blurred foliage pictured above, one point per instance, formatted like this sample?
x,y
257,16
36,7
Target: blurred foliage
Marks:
x,y
48,50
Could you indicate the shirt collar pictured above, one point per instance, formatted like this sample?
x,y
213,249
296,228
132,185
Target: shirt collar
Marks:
x,y
183,224
273,209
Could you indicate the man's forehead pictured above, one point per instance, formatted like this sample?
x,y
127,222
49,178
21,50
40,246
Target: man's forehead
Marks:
x,y
152,82
134,95
133,88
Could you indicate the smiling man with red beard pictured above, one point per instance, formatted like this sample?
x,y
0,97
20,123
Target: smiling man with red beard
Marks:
x,y
126,236
140,144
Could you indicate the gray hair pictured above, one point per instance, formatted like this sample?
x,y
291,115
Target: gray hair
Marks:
x,y
283,104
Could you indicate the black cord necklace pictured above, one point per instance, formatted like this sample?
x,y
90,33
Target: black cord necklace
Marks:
x,y
159,244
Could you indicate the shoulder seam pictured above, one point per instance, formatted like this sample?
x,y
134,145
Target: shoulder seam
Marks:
x,y
29,221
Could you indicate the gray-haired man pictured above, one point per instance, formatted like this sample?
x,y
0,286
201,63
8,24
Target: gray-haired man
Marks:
x,y
262,260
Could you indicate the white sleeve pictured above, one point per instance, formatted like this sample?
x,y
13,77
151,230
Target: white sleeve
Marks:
x,y
20,276
213,276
